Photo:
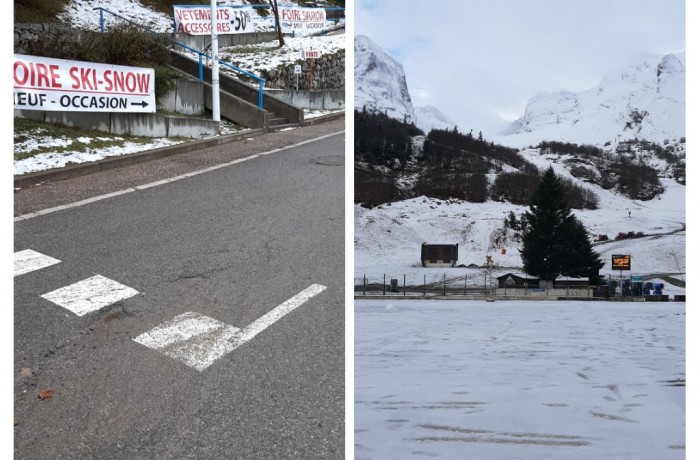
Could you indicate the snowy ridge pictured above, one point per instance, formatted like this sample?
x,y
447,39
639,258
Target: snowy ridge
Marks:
x,y
429,118
380,82
645,100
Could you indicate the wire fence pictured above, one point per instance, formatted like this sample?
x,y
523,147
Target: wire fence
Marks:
x,y
474,285
485,285
425,285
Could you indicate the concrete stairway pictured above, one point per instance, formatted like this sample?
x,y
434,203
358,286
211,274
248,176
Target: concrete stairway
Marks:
x,y
238,102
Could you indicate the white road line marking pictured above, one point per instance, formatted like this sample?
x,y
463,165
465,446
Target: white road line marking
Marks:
x,y
29,260
265,321
198,340
90,294
167,181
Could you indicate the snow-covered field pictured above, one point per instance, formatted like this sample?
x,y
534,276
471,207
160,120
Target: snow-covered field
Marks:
x,y
519,380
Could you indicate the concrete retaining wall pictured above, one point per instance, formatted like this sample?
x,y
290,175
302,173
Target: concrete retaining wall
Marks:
x,y
314,100
134,124
187,98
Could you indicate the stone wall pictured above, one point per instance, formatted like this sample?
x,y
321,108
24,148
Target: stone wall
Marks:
x,y
328,73
27,33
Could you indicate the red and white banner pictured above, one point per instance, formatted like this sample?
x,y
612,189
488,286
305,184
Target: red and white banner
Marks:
x,y
302,20
42,83
196,20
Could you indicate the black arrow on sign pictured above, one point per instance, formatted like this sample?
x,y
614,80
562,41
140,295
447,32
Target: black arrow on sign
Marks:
x,y
142,103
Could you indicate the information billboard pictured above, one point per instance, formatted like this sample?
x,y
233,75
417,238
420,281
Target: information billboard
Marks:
x,y
621,262
49,84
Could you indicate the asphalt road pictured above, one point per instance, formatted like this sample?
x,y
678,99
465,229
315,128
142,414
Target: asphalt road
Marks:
x,y
232,244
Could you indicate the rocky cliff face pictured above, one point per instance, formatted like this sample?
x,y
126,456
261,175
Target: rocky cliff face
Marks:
x,y
380,82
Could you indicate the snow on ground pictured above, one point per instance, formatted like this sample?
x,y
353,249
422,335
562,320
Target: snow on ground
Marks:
x,y
44,161
519,380
81,15
268,56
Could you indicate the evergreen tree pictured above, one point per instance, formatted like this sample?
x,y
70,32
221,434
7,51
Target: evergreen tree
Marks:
x,y
582,261
555,242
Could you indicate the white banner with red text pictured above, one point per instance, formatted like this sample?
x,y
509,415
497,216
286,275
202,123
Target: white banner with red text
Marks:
x,y
42,83
196,20
302,20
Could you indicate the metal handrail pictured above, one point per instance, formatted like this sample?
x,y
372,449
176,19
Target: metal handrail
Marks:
x,y
261,81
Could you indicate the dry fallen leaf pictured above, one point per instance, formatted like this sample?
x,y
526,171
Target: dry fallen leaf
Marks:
x,y
25,372
46,394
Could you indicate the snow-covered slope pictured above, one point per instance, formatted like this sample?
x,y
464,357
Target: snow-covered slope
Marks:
x,y
388,238
429,117
80,14
380,82
645,100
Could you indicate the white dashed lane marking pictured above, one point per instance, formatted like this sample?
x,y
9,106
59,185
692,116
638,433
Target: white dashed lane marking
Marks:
x,y
198,340
89,295
29,260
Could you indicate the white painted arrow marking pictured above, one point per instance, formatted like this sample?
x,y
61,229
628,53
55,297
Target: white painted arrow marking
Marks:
x,y
29,260
198,340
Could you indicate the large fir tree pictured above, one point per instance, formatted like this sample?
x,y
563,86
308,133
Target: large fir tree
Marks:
x,y
555,242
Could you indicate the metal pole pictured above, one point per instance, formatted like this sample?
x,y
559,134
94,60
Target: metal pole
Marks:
x,y
311,72
384,285
102,20
404,285
201,69
465,285
216,111
260,94
364,285
423,285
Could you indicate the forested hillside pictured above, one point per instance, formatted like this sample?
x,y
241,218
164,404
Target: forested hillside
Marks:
x,y
395,160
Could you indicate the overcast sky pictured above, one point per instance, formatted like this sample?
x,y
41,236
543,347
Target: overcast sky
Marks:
x,y
479,62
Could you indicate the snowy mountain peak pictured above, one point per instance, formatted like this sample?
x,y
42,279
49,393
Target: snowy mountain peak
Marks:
x,y
380,82
644,100
429,118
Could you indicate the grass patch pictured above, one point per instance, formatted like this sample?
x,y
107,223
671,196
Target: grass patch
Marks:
x,y
38,11
63,139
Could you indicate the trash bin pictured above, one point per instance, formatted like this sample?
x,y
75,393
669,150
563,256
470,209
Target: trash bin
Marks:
x,y
394,287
